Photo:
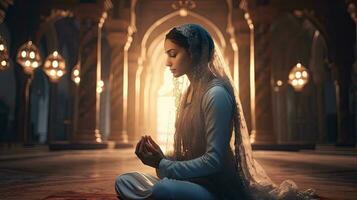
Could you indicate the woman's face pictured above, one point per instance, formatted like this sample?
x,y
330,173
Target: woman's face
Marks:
x,y
178,59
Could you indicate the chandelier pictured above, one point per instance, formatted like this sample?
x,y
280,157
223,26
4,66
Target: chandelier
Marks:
x,y
29,57
298,77
55,66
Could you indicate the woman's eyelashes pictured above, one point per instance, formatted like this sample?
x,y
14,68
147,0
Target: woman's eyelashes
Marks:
x,y
172,55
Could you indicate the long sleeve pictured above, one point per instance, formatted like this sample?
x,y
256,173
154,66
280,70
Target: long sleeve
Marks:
x,y
217,106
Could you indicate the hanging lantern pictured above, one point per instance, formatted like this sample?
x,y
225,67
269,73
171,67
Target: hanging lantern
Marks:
x,y
298,77
75,76
4,55
29,57
55,66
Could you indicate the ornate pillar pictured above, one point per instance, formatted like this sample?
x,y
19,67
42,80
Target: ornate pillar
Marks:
x,y
263,97
243,41
91,18
119,42
259,21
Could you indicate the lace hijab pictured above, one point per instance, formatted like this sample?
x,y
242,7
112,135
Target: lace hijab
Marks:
x,y
209,65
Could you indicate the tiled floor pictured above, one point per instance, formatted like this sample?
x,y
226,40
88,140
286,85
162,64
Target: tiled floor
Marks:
x,y
91,174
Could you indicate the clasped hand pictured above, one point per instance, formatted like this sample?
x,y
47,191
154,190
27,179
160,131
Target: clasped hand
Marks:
x,y
149,152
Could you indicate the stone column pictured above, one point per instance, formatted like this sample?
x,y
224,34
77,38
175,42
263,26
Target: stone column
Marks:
x,y
259,19
244,79
263,97
117,38
87,132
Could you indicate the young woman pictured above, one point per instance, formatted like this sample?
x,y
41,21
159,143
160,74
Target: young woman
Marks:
x,y
204,165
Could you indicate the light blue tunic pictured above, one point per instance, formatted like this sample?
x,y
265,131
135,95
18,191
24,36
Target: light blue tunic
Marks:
x,y
216,165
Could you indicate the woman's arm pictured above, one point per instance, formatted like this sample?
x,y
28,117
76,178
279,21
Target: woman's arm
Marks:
x,y
217,106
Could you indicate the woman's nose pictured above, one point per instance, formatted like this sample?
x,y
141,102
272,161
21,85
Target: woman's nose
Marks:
x,y
168,63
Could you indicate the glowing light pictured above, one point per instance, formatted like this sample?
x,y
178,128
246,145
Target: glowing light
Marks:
x,y
55,66
183,12
165,117
23,54
55,63
298,75
53,72
249,21
76,72
295,82
27,63
77,80
32,55
304,74
35,64
104,15
60,73
2,47
99,90
279,83
100,83
300,82
166,108
3,63
28,57
246,16
291,76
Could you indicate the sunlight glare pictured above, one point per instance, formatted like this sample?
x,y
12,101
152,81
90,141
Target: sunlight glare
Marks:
x,y
166,109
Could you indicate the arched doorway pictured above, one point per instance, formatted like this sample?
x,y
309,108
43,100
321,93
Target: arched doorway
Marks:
x,y
159,90
59,33
308,116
